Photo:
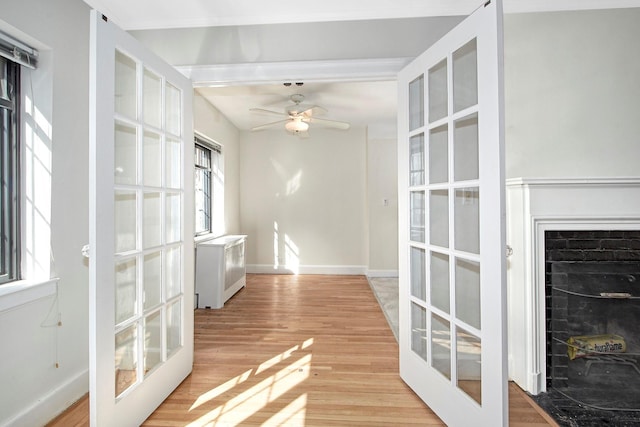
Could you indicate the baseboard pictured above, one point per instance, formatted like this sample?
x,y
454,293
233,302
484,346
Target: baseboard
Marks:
x,y
382,273
52,404
348,270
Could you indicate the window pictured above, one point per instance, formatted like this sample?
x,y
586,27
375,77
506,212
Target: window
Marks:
x,y
207,168
203,189
10,174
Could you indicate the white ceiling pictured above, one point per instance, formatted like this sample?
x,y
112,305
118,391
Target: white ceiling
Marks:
x,y
148,14
364,103
359,103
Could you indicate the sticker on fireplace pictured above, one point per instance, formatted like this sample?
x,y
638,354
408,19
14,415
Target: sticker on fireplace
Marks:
x,y
592,345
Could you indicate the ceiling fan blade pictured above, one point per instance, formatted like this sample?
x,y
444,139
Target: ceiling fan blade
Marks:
x,y
268,125
305,110
314,110
330,123
262,110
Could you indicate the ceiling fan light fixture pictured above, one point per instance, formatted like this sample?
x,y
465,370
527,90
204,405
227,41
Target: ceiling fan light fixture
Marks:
x,y
298,116
296,126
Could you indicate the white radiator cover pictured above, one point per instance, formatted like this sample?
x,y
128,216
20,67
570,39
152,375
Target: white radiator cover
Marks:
x,y
220,270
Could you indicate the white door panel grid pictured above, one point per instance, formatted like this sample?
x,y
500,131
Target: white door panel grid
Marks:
x,y
141,228
451,224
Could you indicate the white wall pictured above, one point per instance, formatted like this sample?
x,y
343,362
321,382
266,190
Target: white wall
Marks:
x,y
32,388
382,184
571,92
210,122
315,191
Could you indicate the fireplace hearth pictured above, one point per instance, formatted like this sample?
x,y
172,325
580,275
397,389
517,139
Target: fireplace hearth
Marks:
x,y
592,310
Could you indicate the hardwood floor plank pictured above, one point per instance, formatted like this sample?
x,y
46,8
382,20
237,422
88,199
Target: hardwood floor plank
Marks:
x,y
76,415
301,351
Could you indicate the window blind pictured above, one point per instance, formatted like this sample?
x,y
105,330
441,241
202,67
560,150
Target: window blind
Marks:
x,y
16,51
202,140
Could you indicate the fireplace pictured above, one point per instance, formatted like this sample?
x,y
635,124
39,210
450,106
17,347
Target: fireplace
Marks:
x,y
575,246
592,301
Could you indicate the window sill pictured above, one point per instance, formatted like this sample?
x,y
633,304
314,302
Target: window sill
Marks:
x,y
21,292
203,237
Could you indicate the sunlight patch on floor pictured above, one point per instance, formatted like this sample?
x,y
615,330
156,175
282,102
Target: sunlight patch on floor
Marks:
x,y
251,401
276,359
293,415
221,389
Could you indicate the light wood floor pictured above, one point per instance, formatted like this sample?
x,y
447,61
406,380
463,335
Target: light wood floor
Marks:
x,y
298,351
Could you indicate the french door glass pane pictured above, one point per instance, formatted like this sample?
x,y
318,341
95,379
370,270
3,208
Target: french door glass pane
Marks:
x,y
125,86
172,217
126,358
152,96
152,279
441,345
417,213
439,218
126,154
419,330
465,76
465,146
125,220
468,292
152,229
469,364
467,219
174,326
173,108
418,269
416,103
416,160
173,272
126,297
152,166
152,341
439,282
438,98
173,162
438,155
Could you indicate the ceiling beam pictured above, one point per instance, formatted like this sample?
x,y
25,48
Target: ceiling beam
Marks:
x,y
297,71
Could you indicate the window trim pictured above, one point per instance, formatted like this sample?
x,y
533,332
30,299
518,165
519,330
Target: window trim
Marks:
x,y
11,162
214,148
16,51
207,185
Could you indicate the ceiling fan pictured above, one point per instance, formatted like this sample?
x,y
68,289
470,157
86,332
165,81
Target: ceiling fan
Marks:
x,y
298,117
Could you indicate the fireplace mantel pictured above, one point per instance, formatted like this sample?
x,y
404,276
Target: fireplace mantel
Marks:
x,y
536,205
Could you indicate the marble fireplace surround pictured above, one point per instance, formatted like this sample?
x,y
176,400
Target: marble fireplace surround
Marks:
x,y
537,205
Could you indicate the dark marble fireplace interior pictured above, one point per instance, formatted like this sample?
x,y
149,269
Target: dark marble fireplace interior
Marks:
x,y
592,288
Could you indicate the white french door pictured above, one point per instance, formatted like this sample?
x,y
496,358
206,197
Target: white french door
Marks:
x,y
451,224
141,229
